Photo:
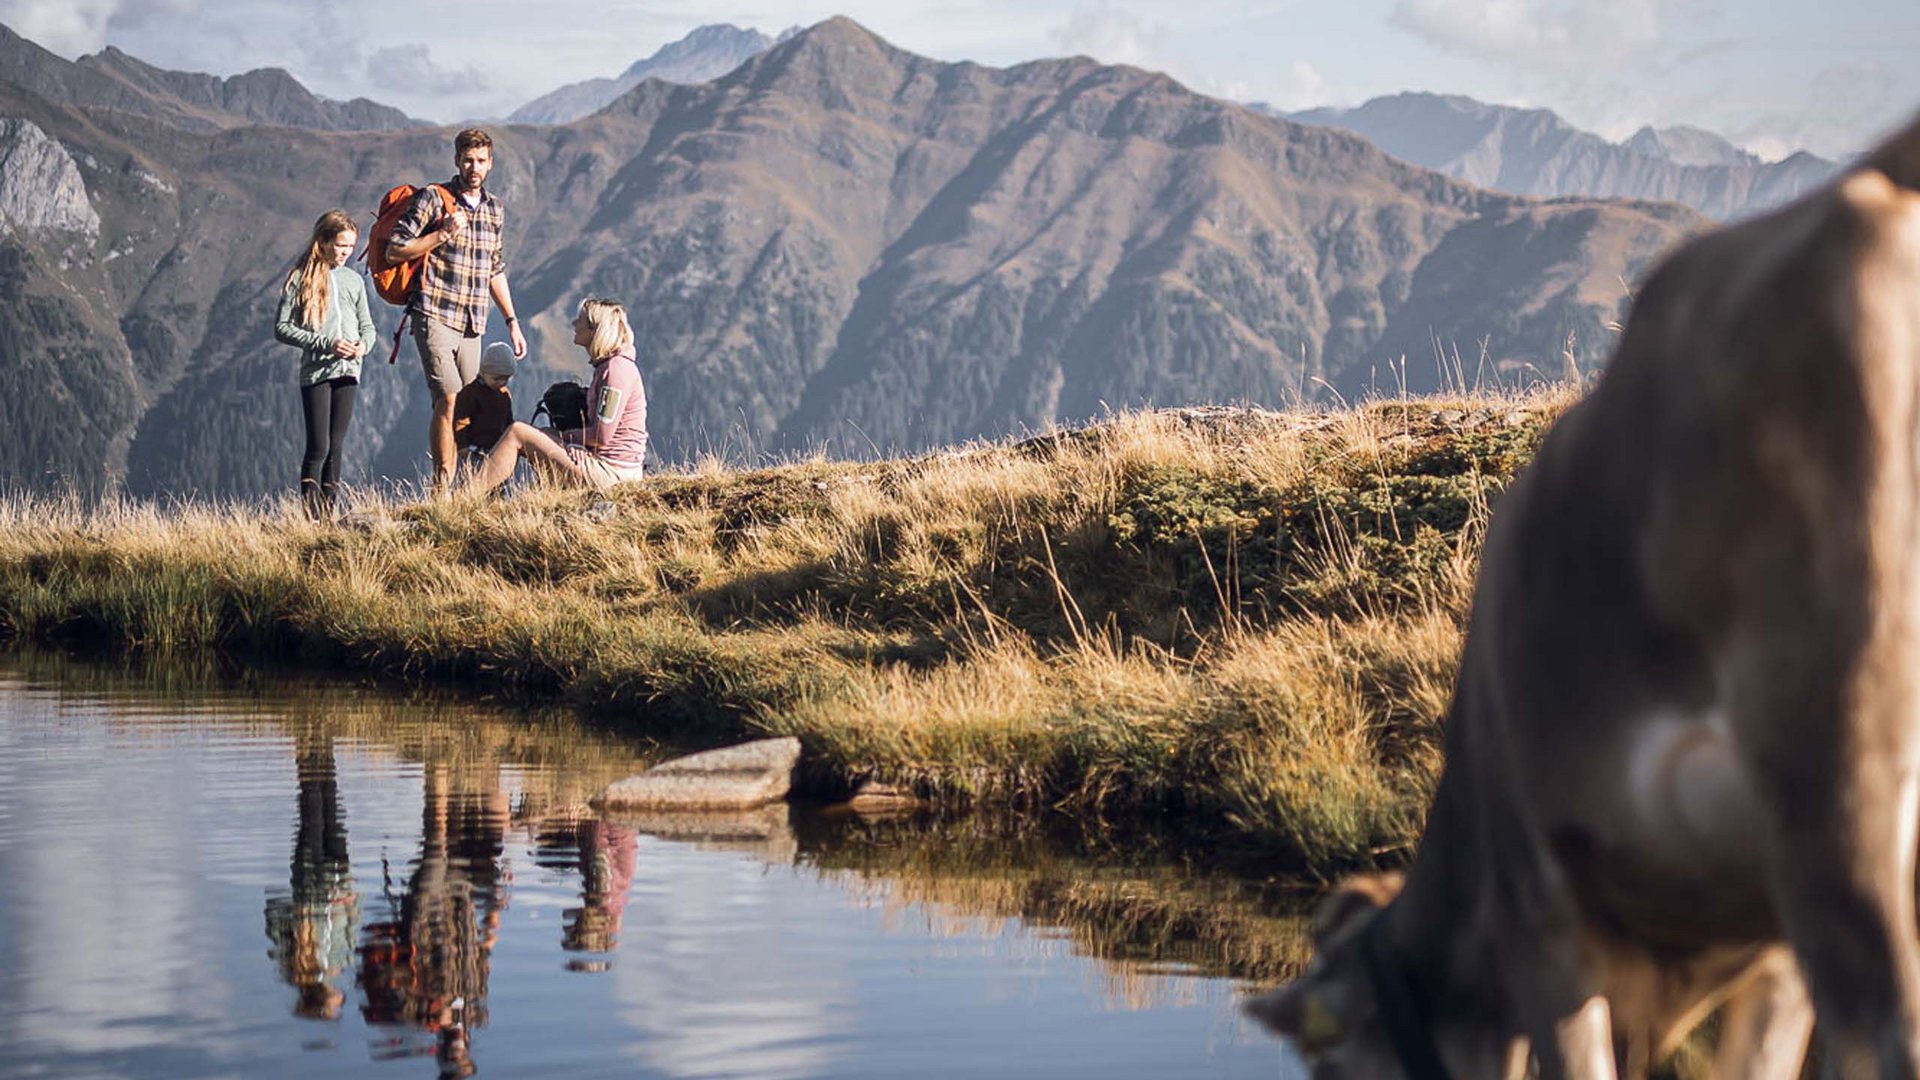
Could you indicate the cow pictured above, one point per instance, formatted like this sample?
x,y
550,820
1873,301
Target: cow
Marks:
x,y
1683,749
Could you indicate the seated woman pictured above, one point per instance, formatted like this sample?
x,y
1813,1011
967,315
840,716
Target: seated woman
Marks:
x,y
616,433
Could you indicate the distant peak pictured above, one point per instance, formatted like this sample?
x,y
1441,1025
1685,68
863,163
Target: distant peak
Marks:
x,y
1456,102
713,31
1684,144
833,41
270,74
713,38
839,28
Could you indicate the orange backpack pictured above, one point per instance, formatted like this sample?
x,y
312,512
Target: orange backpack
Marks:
x,y
396,282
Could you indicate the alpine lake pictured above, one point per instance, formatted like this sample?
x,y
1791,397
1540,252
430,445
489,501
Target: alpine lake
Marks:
x,y
209,875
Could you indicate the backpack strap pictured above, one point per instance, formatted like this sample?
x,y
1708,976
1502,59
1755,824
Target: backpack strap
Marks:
x,y
398,327
447,201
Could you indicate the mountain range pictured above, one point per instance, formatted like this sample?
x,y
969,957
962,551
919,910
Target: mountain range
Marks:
x,y
702,56
1535,152
838,245
1523,151
111,79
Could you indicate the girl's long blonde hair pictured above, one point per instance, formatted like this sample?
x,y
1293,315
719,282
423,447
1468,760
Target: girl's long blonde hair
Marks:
x,y
315,272
610,330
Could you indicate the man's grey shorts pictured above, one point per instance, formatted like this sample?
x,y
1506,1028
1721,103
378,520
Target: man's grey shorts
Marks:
x,y
449,358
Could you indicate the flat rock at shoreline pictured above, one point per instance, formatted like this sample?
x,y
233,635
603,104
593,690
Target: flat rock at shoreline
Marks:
x,y
731,778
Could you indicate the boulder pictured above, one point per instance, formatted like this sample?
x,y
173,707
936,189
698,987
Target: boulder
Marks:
x,y
731,778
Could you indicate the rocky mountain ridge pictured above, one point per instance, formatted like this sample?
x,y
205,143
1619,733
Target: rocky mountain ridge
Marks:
x,y
1684,144
1535,152
111,79
703,55
839,245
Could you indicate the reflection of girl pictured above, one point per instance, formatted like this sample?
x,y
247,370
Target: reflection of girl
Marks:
x,y
312,929
324,313
616,433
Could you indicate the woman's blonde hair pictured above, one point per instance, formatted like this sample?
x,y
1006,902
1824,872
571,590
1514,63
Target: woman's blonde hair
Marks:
x,y
610,330
315,272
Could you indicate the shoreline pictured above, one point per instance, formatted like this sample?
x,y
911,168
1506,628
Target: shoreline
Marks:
x,y
1245,621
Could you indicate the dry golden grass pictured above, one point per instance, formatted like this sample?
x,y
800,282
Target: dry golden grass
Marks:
x,y
1249,619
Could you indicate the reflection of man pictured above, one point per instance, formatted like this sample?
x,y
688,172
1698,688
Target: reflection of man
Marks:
x,y
606,856
426,966
312,928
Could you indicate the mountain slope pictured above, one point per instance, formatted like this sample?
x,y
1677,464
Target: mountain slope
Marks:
x,y
111,79
839,243
705,54
1535,152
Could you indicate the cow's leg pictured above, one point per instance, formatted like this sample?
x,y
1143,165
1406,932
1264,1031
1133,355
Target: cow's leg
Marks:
x,y
1843,872
1582,1044
1766,1023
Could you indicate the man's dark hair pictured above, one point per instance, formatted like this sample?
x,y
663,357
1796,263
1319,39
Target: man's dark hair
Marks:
x,y
471,138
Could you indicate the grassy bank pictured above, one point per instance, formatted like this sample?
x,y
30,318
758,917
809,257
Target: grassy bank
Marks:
x,y
1247,619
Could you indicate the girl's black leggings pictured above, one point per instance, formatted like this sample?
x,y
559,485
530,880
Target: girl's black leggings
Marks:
x,y
328,407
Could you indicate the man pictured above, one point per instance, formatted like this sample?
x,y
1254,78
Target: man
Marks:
x,y
464,266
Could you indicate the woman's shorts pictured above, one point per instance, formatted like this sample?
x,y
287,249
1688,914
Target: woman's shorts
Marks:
x,y
600,472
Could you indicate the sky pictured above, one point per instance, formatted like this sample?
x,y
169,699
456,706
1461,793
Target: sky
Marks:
x,y
1772,75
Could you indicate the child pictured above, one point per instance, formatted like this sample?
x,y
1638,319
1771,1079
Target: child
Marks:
x,y
323,312
484,409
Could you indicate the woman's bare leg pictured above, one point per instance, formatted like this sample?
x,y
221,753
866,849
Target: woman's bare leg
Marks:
x,y
535,444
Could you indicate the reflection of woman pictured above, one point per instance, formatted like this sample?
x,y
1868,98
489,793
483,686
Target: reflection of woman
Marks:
x,y
616,433
312,928
323,312
427,966
606,857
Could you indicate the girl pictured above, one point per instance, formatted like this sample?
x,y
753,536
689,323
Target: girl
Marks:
x,y
616,433
324,313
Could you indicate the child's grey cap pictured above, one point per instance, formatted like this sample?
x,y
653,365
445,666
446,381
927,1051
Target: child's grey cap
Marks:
x,y
497,359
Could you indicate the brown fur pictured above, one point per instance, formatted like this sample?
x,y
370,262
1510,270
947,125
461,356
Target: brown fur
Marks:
x,y
1687,723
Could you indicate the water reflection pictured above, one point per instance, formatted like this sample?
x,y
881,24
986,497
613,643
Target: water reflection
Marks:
x,y
1139,903
602,853
443,888
312,924
424,965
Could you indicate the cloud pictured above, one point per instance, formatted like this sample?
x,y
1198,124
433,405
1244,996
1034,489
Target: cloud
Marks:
x,y
1768,147
67,27
1301,86
1110,34
1536,35
410,69
1844,109
341,49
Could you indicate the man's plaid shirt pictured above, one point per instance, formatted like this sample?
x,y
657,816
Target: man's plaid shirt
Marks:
x,y
453,285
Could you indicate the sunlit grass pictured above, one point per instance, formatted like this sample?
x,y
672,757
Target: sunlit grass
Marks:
x,y
1248,619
